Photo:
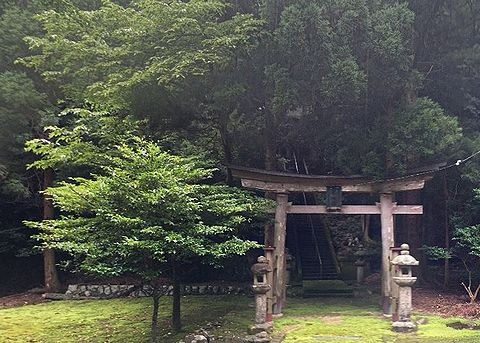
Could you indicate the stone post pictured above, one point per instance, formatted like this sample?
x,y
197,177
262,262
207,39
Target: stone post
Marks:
x,y
360,265
270,255
405,281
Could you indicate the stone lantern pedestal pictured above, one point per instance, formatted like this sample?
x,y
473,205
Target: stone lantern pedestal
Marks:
x,y
405,281
260,289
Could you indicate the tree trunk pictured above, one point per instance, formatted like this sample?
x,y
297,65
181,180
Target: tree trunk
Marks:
x,y
412,223
52,283
227,149
176,320
446,266
270,164
156,303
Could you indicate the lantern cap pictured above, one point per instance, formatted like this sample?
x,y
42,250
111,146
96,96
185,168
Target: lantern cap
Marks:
x,y
405,259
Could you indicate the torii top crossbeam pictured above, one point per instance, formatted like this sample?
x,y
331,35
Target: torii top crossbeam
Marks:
x,y
278,182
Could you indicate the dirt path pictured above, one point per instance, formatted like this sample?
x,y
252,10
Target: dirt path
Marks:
x,y
444,304
21,299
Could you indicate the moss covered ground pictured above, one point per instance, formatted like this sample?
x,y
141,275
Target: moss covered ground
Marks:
x,y
127,320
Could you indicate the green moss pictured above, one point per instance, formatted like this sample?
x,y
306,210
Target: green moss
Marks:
x,y
128,320
119,320
317,320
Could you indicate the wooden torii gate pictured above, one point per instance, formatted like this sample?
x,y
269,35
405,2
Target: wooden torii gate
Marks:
x,y
281,184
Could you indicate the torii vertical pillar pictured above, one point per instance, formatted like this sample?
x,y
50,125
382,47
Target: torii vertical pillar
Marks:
x,y
388,241
280,272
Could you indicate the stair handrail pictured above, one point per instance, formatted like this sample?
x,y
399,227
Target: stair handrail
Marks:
x,y
314,236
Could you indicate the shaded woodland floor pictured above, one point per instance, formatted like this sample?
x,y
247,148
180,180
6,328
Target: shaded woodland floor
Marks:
x,y
305,320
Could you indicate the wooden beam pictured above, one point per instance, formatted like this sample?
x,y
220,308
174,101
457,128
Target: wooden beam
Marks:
x,y
321,209
354,209
280,282
303,187
388,241
408,209
401,185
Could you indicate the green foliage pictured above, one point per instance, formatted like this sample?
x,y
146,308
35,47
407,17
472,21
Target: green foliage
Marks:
x,y
102,55
88,141
143,209
422,131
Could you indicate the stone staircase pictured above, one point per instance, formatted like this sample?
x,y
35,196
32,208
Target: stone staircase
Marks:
x,y
316,255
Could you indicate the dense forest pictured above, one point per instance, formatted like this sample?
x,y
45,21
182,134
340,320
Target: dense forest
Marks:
x,y
379,88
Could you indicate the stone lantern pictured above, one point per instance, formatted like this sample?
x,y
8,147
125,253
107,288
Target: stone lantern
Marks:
x,y
260,288
404,279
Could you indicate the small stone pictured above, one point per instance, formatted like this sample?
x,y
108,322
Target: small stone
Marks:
x,y
194,289
87,293
114,288
187,290
82,288
202,289
199,339
421,321
215,289
107,290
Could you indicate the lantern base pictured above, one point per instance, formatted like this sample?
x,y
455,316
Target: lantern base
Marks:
x,y
404,326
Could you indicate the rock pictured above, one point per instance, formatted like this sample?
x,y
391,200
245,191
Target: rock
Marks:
x,y
194,289
202,289
115,289
72,288
261,337
215,289
36,290
199,339
422,321
259,328
56,296
107,290
87,293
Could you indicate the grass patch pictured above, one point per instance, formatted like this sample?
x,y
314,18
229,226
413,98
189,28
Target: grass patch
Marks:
x,y
118,320
359,320
351,320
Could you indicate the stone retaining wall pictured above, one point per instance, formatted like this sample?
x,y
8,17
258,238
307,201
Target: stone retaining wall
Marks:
x,y
113,291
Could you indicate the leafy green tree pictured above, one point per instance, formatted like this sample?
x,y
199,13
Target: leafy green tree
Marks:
x,y
101,56
144,211
422,131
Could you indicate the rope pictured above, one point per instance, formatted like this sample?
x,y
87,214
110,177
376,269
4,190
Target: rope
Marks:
x,y
456,164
